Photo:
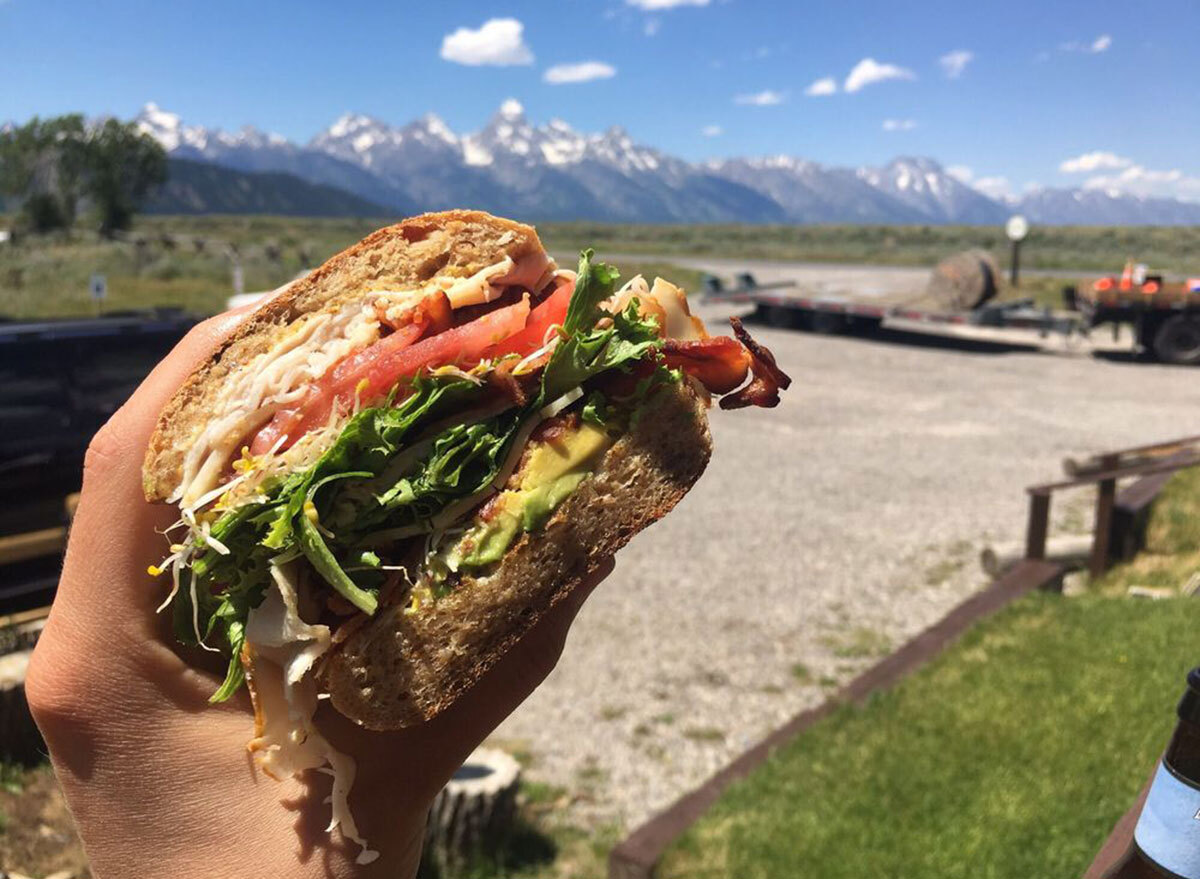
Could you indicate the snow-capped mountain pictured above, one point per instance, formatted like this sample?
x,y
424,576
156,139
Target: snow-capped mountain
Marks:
x,y
255,151
925,186
1088,207
552,171
813,193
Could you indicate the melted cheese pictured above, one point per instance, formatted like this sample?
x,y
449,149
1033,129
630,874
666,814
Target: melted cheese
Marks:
x,y
665,302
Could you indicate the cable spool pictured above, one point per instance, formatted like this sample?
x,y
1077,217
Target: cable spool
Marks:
x,y
963,281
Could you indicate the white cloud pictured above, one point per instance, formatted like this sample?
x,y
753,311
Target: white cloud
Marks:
x,y
1139,180
826,85
869,71
765,98
583,71
498,42
899,124
652,26
665,4
712,130
954,63
1097,160
1102,43
993,187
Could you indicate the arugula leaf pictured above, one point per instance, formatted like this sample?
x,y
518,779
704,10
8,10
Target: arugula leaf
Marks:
x,y
235,676
596,409
317,551
584,355
593,284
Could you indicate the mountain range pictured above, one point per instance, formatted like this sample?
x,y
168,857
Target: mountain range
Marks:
x,y
553,172
204,188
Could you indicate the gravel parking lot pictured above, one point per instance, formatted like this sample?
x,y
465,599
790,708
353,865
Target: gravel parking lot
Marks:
x,y
824,532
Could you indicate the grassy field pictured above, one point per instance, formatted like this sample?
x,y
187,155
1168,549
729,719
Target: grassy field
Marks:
x,y
1171,555
1011,756
187,261
1069,248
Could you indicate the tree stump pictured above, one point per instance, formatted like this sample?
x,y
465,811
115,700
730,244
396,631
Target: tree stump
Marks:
x,y
964,281
20,740
473,815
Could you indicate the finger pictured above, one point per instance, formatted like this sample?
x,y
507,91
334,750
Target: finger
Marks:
x,y
113,536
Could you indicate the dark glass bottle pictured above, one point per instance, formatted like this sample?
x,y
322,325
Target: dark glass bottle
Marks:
x,y
1167,839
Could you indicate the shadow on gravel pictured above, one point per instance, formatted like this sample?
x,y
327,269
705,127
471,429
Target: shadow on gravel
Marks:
x,y
910,339
1139,358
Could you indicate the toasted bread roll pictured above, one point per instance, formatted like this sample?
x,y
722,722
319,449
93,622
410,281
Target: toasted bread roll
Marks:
x,y
403,256
400,668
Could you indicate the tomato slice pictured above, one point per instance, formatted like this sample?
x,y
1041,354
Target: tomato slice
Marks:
x,y
550,311
373,371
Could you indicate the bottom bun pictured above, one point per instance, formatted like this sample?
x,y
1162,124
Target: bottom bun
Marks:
x,y
400,669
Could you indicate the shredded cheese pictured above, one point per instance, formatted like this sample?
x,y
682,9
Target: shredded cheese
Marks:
x,y
253,393
282,651
313,344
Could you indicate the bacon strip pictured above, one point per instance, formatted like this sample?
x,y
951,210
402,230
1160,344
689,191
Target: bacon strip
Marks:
x,y
719,362
768,379
433,309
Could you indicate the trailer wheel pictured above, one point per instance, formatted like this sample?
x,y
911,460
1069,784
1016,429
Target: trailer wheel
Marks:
x,y
1178,340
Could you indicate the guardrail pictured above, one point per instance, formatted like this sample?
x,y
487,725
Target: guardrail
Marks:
x,y
1104,471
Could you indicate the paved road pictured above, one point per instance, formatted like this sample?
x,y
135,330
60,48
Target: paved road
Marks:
x,y
845,520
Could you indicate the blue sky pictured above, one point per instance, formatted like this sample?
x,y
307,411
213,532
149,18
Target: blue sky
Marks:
x,y
1043,83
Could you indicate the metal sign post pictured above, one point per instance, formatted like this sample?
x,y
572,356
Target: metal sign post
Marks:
x,y
1016,229
98,287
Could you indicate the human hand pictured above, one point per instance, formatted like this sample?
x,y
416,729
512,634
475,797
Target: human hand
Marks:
x,y
159,781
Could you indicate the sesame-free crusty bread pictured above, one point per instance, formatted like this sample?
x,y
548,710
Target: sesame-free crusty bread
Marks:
x,y
400,669
403,256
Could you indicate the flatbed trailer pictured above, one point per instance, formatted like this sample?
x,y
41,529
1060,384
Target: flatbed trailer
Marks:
x,y
781,304
1165,317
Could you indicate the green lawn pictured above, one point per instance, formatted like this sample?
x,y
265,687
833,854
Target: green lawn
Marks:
x,y
1172,551
1009,756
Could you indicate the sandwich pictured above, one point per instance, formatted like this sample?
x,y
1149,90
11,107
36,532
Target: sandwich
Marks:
x,y
398,463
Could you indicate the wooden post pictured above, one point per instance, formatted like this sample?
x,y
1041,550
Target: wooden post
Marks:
x,y
1106,497
1039,523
